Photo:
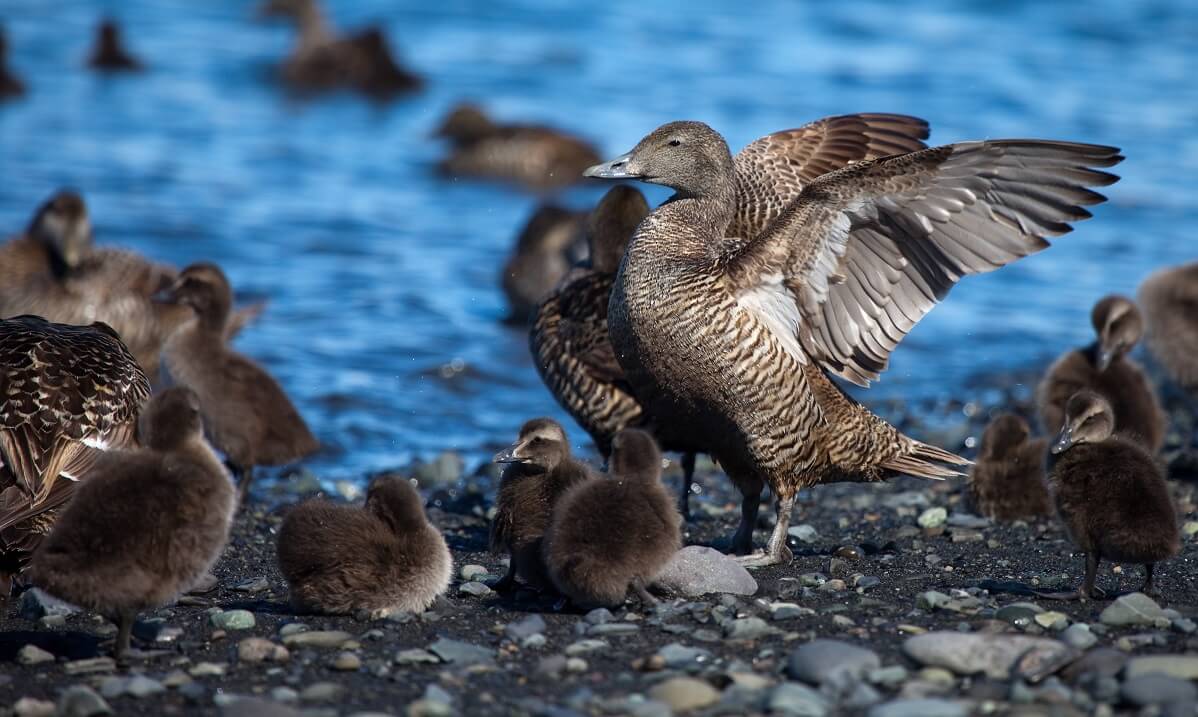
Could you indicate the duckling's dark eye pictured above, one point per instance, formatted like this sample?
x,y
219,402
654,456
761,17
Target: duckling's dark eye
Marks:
x,y
675,143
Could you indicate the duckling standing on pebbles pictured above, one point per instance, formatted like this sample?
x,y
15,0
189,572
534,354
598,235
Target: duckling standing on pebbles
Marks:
x,y
613,533
549,244
383,558
1170,301
67,395
1104,367
146,525
246,413
1007,481
1111,493
539,470
109,54
10,85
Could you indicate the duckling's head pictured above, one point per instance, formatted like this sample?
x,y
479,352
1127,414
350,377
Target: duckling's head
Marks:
x,y
395,501
1088,419
611,225
542,444
1119,326
1005,432
634,453
204,288
689,157
109,34
464,123
170,419
61,224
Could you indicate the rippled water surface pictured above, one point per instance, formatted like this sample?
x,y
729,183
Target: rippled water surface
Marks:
x,y
383,280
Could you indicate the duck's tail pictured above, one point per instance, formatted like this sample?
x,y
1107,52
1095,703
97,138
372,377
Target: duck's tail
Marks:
x,y
924,461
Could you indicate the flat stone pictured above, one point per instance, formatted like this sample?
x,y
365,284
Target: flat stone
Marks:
x,y
321,692
796,700
1132,609
233,620
747,628
33,655
891,676
525,628
1156,689
1078,635
598,616
32,707
583,647
256,707
788,611
1184,667
678,657
473,572
258,649
89,666
972,653
206,669
346,662
416,657
684,694
37,603
81,701
140,687
317,638
1052,620
292,628
696,570
1020,613
475,589
931,600
932,517
803,533
175,679
831,661
614,628
967,520
919,708
461,653
253,585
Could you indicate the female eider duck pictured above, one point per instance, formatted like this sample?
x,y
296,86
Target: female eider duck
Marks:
x,y
1007,481
539,471
10,85
67,395
246,413
146,525
382,558
549,244
54,270
540,158
735,338
1104,367
109,53
614,533
1111,493
1170,302
322,61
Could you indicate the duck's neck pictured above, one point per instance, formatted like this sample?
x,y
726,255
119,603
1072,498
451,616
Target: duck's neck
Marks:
x,y
696,224
213,319
314,31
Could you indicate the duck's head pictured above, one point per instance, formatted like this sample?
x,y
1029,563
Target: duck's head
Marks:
x,y
170,419
542,444
1088,419
1005,432
395,501
464,123
61,224
689,157
611,225
204,288
109,34
634,453
1119,326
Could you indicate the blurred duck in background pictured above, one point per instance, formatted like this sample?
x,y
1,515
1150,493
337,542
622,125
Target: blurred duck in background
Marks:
x,y
540,158
549,244
323,61
1170,302
109,53
11,86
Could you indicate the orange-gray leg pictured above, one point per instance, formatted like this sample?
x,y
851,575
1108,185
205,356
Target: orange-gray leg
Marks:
x,y
776,552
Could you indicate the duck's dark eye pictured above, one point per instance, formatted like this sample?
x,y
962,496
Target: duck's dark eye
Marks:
x,y
675,142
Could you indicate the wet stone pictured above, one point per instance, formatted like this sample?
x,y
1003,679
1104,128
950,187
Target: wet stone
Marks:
x,y
831,661
1155,689
613,628
81,701
972,653
475,589
1132,609
792,698
583,647
525,628
317,638
696,570
747,628
140,687
679,657
788,611
33,655
1078,635
928,707
233,620
803,533
36,604
461,653
416,657
598,616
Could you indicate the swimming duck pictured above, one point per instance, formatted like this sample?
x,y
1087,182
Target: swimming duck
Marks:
x,y
1007,482
384,557
1103,366
540,158
539,469
146,525
109,53
1170,301
10,85
614,533
549,244
1110,492
246,413
53,270
67,394
323,61
737,339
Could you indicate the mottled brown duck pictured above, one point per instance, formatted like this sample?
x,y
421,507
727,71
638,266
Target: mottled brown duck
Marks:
x,y
738,339
383,558
246,413
551,241
146,525
539,470
1169,300
1105,368
1111,493
67,395
11,86
537,157
109,53
1007,482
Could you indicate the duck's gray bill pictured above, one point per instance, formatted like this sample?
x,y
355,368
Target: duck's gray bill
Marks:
x,y
615,169
1063,442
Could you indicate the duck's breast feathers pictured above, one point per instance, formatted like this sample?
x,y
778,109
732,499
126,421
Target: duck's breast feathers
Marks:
x,y
867,250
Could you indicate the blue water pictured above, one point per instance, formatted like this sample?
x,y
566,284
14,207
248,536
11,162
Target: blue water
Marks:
x,y
384,310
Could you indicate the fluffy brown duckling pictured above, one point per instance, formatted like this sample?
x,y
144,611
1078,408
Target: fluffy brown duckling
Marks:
x,y
539,470
1111,492
323,61
146,525
67,395
1007,481
246,413
1170,303
540,158
109,53
609,535
1104,367
551,241
11,86
385,557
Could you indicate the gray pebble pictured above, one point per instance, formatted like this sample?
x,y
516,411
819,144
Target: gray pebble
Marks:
x,y
233,620
1158,689
680,657
321,692
525,628
1078,635
968,654
919,708
696,570
475,589
747,628
1132,609
1183,667
81,701
416,657
613,628
253,585
598,616
792,698
831,661
461,653
33,655
36,604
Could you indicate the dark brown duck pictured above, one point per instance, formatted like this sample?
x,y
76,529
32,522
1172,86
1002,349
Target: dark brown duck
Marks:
x,y
109,53
11,86
67,395
1169,299
614,533
384,557
246,413
540,158
539,471
146,525
1007,481
1111,493
548,245
1105,368
738,339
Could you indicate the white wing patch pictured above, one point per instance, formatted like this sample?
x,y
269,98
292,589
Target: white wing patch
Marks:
x,y
774,305
95,442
